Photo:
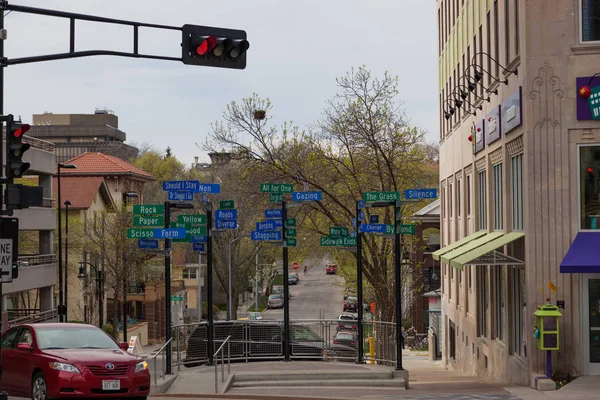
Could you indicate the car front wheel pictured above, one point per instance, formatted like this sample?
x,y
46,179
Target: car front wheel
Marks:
x,y
39,389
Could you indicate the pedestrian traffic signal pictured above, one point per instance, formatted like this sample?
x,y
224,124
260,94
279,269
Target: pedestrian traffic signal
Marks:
x,y
214,47
15,148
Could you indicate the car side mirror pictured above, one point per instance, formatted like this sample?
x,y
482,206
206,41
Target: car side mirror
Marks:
x,y
124,346
24,347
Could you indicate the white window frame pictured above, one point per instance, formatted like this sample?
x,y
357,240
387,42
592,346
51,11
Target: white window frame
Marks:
x,y
497,195
579,146
189,272
580,17
499,310
517,196
482,206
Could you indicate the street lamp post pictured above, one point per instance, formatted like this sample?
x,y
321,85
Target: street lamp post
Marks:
x,y
126,195
99,285
60,264
67,204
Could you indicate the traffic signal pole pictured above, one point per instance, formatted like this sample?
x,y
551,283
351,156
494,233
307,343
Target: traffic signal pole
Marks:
x,y
359,285
398,283
286,288
210,346
169,353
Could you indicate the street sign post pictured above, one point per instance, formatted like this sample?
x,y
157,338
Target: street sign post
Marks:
x,y
290,222
176,298
140,233
226,224
290,232
197,230
381,196
276,187
420,193
148,220
406,229
338,232
273,213
307,196
266,235
6,249
373,228
373,219
226,204
265,226
193,219
180,195
226,215
148,243
148,209
191,186
290,242
337,241
201,247
169,233
276,197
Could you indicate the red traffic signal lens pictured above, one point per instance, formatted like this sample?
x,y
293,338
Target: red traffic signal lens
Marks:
x,y
207,45
21,130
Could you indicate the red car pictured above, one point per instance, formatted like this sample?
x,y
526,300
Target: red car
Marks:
x,y
330,269
60,360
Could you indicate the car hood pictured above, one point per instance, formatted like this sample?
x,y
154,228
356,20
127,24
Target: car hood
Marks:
x,y
78,356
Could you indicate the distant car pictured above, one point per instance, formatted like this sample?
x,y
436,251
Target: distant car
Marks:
x,y
346,338
255,316
347,322
351,304
275,301
51,360
293,278
331,269
279,290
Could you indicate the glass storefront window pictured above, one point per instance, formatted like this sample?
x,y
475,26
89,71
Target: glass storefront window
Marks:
x,y
589,186
594,307
590,20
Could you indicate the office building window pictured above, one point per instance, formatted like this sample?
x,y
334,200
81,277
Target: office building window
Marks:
x,y
590,20
468,195
488,43
589,186
440,28
480,40
452,340
517,192
443,208
482,201
497,197
517,27
496,39
482,301
190,273
462,82
458,198
507,31
518,303
450,201
498,302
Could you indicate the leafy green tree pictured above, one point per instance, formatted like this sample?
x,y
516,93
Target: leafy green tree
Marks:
x,y
163,169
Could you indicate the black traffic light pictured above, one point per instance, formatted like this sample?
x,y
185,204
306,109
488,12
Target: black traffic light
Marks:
x,y
214,47
15,148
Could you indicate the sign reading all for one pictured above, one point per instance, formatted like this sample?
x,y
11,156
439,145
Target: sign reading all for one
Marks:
x,y
381,196
276,187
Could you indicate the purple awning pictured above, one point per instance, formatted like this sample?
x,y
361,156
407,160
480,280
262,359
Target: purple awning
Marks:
x,y
583,256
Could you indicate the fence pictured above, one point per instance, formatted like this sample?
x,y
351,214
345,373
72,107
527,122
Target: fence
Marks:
x,y
44,316
309,340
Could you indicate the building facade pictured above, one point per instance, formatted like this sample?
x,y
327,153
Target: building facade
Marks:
x,y
75,134
31,295
519,163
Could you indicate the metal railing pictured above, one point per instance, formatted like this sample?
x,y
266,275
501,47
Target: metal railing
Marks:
x,y
164,362
48,202
44,316
216,358
39,143
28,260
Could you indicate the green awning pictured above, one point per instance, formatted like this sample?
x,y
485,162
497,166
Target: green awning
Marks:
x,y
473,244
436,255
487,255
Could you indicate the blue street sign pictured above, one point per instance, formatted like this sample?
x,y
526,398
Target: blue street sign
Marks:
x,y
265,235
181,195
278,223
307,196
352,233
201,247
191,186
374,219
266,225
420,193
226,215
361,204
209,188
361,215
169,233
354,222
204,198
148,243
199,239
226,224
274,213
373,228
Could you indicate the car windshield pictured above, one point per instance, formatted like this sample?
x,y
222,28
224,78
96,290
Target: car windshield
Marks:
x,y
275,296
303,333
255,315
352,299
74,338
344,336
348,317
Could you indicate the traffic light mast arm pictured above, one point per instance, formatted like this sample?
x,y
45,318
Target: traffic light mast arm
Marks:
x,y
83,17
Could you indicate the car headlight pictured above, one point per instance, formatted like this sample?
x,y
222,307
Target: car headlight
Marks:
x,y
141,366
64,367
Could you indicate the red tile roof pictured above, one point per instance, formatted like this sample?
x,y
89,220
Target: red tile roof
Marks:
x,y
79,190
99,164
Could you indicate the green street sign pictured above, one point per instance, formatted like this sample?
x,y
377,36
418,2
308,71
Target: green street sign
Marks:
x,y
193,219
176,298
338,242
148,209
290,222
140,233
226,204
290,232
389,229
276,187
290,242
276,197
381,196
338,232
179,225
406,229
197,231
148,220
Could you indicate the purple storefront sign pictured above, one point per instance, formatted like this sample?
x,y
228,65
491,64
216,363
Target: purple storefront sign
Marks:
x,y
583,106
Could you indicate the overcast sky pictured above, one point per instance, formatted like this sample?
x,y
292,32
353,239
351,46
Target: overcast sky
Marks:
x,y
297,49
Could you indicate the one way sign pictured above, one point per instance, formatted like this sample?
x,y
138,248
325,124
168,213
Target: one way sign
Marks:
x,y
6,260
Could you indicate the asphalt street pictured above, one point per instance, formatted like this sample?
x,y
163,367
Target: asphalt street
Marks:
x,y
316,295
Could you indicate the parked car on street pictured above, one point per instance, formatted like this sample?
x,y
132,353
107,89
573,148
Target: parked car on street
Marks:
x,y
347,322
346,338
275,301
331,269
255,316
351,304
53,361
293,278
279,290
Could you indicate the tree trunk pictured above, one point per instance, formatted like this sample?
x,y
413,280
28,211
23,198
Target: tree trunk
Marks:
x,y
115,312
